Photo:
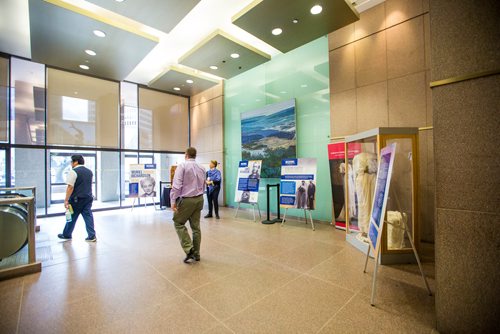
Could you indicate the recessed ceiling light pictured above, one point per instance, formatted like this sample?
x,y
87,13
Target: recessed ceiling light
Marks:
x,y
90,52
213,67
235,55
84,67
316,9
189,81
295,21
99,33
276,31
177,88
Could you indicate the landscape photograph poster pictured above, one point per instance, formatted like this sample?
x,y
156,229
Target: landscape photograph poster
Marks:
x,y
247,185
269,134
298,183
142,181
381,194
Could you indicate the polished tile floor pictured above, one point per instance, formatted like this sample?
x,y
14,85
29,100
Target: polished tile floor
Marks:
x,y
252,278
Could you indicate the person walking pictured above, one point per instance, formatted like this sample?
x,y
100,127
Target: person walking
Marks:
x,y
187,202
213,189
79,196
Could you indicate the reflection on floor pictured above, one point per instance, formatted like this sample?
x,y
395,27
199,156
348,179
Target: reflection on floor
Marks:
x,y
252,278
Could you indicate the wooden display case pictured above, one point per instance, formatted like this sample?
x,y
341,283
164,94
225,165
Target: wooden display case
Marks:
x,y
402,203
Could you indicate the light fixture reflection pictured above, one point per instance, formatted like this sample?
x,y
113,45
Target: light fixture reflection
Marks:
x,y
316,9
99,33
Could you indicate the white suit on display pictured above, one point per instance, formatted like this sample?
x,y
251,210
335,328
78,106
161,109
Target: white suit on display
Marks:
x,y
365,174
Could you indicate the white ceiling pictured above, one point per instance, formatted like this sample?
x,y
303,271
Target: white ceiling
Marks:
x,y
206,17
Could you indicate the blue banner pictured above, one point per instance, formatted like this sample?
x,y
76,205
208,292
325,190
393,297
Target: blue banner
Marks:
x,y
289,162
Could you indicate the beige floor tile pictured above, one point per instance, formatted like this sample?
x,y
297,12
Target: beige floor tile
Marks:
x,y
358,316
10,296
181,315
307,255
219,330
230,295
302,306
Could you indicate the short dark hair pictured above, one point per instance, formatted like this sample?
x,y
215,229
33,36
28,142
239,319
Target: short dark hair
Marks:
x,y
78,158
191,152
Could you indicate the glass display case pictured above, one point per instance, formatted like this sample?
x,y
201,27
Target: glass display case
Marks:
x,y
363,151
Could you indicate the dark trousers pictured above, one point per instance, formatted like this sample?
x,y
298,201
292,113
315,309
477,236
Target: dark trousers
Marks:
x,y
213,200
84,207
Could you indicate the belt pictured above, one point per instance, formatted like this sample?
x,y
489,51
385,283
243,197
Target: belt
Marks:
x,y
192,196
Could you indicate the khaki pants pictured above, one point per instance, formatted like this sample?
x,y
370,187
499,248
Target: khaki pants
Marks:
x,y
189,209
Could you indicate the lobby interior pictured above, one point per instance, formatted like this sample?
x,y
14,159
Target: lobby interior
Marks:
x,y
151,90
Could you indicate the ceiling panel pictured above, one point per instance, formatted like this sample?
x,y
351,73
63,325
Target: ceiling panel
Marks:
x,y
59,38
216,50
177,78
264,16
163,15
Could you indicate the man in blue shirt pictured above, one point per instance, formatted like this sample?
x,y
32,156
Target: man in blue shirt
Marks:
x,y
213,188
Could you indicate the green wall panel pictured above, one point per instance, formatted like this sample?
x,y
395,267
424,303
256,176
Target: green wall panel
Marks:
x,y
302,74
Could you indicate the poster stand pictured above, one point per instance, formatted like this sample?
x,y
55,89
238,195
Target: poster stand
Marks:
x,y
372,300
145,202
253,210
305,217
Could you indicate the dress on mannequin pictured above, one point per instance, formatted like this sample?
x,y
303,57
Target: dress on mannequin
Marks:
x,y
365,174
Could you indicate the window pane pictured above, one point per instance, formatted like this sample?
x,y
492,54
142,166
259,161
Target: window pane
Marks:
x,y
127,160
163,121
81,110
107,179
28,170
28,102
2,168
4,102
130,115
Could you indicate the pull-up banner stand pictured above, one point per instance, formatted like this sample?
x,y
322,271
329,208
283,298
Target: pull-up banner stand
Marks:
x,y
278,219
379,207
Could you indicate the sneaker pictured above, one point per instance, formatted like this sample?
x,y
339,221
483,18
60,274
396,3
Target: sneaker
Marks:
x,y
196,257
62,236
217,217
208,216
89,239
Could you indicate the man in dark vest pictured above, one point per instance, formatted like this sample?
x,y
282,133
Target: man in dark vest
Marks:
x,y
79,195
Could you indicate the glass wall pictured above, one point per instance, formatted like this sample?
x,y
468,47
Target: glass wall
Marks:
x,y
81,110
88,114
302,74
163,121
4,98
28,102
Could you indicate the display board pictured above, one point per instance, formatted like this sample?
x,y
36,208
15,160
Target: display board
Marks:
x,y
338,168
298,183
247,185
380,197
142,182
269,134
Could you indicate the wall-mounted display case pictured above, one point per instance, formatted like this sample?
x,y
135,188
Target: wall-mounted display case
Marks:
x,y
402,204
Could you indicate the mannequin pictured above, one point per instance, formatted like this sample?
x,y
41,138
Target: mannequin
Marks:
x,y
395,229
365,174
352,194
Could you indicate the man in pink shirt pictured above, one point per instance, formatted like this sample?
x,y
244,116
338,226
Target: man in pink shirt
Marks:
x,y
186,197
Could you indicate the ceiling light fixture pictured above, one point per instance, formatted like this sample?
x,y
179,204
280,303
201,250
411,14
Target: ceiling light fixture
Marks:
x,y
235,55
189,81
99,33
177,88
295,21
84,67
316,9
213,67
276,31
90,52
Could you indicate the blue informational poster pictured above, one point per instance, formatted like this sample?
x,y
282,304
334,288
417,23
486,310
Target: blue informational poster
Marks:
x,y
247,185
380,197
298,183
142,180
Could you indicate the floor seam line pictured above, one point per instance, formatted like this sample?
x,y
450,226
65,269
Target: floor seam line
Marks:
x,y
338,311
20,307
